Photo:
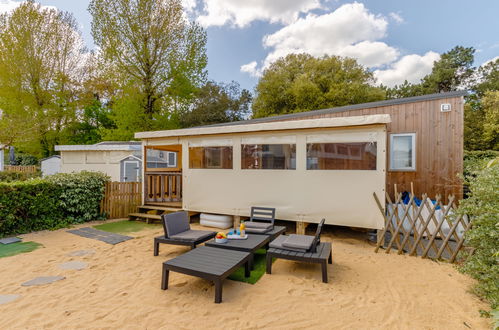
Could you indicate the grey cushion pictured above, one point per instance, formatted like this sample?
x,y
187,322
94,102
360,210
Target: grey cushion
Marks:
x,y
277,244
192,235
298,242
258,225
257,231
176,223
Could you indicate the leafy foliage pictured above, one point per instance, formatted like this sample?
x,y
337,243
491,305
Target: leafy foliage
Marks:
x,y
10,176
41,51
217,103
483,208
80,194
50,203
158,58
302,82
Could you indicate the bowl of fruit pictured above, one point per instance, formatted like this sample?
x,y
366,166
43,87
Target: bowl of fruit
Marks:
x,y
221,237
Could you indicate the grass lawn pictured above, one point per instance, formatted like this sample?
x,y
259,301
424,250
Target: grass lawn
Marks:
x,y
126,226
256,273
7,250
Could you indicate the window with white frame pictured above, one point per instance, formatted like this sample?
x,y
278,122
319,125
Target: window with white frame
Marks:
x,y
403,152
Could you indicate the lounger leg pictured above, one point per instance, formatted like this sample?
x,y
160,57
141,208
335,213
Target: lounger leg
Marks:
x,y
324,271
164,280
247,270
269,263
156,248
252,262
330,259
218,291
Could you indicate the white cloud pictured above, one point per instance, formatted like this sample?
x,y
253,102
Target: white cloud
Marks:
x,y
240,13
251,69
351,30
396,17
410,67
8,5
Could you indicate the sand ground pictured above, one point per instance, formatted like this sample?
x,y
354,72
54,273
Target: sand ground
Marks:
x,y
120,289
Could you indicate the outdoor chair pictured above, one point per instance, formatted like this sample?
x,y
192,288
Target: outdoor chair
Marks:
x,y
302,248
261,220
178,232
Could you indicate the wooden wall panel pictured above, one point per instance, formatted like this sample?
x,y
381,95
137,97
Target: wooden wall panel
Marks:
x,y
439,144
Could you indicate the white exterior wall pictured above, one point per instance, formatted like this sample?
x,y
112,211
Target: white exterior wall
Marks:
x,y
343,197
50,166
107,162
1,158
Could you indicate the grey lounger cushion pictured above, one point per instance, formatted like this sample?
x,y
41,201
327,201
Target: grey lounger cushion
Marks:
x,y
257,231
298,242
191,235
277,244
258,225
177,223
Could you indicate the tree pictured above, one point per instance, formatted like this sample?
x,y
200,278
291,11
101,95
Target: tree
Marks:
x,y
217,103
41,51
491,119
453,71
302,82
158,56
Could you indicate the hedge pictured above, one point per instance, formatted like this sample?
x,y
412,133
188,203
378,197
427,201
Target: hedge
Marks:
x,y
483,208
50,203
10,176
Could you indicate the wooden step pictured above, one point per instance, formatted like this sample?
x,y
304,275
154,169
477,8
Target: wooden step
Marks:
x,y
144,215
165,204
159,208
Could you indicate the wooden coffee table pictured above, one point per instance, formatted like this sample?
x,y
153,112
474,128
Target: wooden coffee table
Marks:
x,y
251,244
209,263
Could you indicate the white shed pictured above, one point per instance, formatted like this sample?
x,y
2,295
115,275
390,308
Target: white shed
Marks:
x,y
105,157
51,165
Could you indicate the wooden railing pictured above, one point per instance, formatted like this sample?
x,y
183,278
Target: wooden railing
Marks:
x,y
17,168
121,198
163,187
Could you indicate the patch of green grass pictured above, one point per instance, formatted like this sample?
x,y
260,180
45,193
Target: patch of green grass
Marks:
x,y
8,250
126,226
256,274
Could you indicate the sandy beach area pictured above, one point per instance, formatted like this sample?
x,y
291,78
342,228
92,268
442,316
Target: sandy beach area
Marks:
x,y
120,289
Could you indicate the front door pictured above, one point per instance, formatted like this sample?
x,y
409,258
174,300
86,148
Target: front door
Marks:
x,y
131,171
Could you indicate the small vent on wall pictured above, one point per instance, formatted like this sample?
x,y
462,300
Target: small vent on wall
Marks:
x,y
445,107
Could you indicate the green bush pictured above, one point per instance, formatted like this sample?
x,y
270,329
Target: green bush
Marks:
x,y
483,208
475,161
81,194
50,203
29,206
18,176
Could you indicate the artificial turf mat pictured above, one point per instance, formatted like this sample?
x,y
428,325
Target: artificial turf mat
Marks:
x,y
9,250
257,273
126,226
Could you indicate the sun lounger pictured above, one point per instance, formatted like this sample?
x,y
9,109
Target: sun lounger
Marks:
x,y
178,232
210,263
301,248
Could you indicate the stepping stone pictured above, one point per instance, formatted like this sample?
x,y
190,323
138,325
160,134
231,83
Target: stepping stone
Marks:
x,y
80,253
7,298
74,265
43,280
100,235
10,240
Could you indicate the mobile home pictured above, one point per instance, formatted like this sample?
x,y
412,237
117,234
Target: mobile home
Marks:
x,y
312,165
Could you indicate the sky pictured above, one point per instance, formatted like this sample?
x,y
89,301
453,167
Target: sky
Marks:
x,y
395,39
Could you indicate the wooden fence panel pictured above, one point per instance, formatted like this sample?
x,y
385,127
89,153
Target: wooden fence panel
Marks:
x,y
427,228
18,168
121,198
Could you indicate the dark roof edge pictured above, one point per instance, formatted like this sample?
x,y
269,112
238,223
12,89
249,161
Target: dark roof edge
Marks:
x,y
376,104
